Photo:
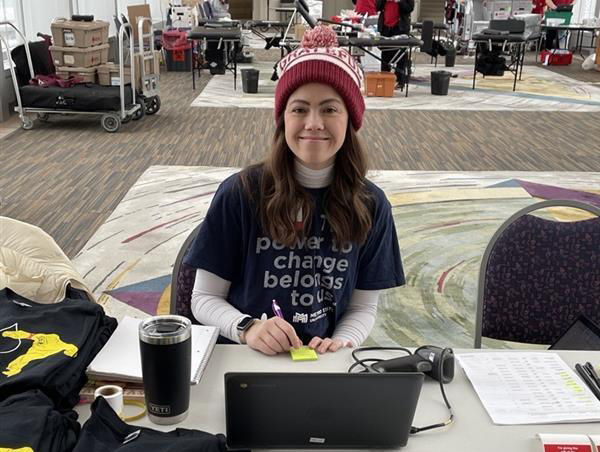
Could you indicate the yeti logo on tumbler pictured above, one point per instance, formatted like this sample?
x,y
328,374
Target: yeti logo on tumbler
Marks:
x,y
166,352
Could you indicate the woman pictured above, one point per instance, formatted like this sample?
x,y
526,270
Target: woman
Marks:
x,y
304,228
394,20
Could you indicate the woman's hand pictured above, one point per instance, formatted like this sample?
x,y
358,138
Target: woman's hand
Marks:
x,y
328,344
272,336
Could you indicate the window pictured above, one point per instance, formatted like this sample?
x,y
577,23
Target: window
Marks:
x,y
9,12
583,9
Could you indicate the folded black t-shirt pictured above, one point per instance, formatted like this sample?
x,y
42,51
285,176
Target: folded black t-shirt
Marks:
x,y
49,346
105,432
29,420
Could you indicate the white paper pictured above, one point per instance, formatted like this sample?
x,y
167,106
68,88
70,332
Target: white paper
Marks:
x,y
120,357
529,388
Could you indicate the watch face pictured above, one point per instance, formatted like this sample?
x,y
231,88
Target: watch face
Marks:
x,y
245,323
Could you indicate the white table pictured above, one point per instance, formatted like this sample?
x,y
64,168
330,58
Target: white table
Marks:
x,y
472,430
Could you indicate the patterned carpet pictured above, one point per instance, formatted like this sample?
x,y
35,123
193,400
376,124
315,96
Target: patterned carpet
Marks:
x,y
444,221
539,90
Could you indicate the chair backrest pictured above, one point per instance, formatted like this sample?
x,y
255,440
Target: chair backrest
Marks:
x,y
427,36
182,281
537,275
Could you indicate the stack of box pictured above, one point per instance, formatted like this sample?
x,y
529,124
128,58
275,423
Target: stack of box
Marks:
x,y
79,47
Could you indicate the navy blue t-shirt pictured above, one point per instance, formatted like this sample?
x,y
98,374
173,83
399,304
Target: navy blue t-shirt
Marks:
x,y
313,280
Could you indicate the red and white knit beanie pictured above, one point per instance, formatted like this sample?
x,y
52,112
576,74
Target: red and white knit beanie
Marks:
x,y
319,60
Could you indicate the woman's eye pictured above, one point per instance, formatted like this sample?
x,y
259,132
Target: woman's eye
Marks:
x,y
331,110
298,110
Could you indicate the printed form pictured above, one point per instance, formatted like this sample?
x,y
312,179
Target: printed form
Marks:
x,y
529,388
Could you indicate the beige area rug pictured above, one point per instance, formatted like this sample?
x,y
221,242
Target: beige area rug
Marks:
x,y
539,90
444,221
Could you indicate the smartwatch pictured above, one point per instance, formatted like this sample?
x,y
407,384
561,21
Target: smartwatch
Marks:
x,y
243,326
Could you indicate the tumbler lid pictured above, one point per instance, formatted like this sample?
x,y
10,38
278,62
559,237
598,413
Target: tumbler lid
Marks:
x,y
165,329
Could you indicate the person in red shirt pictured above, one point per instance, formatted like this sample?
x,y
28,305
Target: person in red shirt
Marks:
x,y
394,19
552,40
365,7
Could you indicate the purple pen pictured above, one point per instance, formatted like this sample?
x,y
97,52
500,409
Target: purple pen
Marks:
x,y
276,309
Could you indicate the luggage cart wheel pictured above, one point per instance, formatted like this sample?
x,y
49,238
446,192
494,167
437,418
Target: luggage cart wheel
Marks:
x,y
152,105
140,112
27,123
110,122
43,117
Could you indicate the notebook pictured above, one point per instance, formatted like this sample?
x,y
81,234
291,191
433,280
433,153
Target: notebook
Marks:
x,y
119,359
320,410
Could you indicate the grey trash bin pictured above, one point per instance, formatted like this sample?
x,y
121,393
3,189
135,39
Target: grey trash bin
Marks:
x,y
440,81
250,80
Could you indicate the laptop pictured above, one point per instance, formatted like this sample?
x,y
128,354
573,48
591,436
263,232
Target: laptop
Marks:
x,y
581,334
320,410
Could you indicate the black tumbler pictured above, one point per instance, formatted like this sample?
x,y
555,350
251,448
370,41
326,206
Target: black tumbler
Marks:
x,y
166,351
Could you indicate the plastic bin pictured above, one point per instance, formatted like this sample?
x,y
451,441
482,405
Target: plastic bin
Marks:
x,y
86,74
250,80
178,60
565,15
440,82
72,33
380,84
556,57
450,58
79,57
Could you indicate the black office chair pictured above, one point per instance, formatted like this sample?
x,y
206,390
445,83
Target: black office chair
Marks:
x,y
427,36
537,275
182,281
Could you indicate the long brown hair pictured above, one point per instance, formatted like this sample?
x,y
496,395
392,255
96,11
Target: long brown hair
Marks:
x,y
279,196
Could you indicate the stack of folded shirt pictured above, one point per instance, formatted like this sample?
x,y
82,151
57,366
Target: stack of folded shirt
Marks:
x,y
30,423
105,432
49,346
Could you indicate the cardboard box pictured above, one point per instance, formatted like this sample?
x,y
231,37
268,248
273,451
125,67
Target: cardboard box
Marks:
x,y
86,74
299,30
598,55
78,57
71,33
380,84
109,75
135,12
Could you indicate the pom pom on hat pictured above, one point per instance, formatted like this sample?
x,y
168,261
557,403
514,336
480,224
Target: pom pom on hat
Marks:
x,y
320,36
320,60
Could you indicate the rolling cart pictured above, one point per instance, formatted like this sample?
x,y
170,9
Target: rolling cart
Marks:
x,y
149,80
115,105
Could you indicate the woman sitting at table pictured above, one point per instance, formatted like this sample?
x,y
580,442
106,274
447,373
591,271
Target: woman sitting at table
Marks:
x,y
295,250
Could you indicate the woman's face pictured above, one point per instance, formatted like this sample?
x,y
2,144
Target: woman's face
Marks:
x,y
315,121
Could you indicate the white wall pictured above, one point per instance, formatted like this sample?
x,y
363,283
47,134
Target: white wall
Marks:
x,y
101,10
38,14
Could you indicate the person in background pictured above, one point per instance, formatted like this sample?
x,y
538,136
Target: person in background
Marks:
x,y
365,7
394,19
220,9
552,36
295,250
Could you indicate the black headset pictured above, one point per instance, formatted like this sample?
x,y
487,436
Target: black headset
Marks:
x,y
435,362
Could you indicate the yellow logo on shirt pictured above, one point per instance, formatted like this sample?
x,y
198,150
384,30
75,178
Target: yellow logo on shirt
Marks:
x,y
43,345
20,449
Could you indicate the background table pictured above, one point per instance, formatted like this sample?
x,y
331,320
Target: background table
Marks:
x,y
471,431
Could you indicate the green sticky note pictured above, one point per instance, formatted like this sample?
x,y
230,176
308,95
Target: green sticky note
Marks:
x,y
303,354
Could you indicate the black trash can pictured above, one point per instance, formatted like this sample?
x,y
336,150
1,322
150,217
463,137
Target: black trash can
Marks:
x,y
440,81
250,80
450,56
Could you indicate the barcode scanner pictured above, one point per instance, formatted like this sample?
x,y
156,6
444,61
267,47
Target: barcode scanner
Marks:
x,y
436,362
428,359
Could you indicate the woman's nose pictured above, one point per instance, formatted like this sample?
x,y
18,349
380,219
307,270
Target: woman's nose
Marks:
x,y
314,121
